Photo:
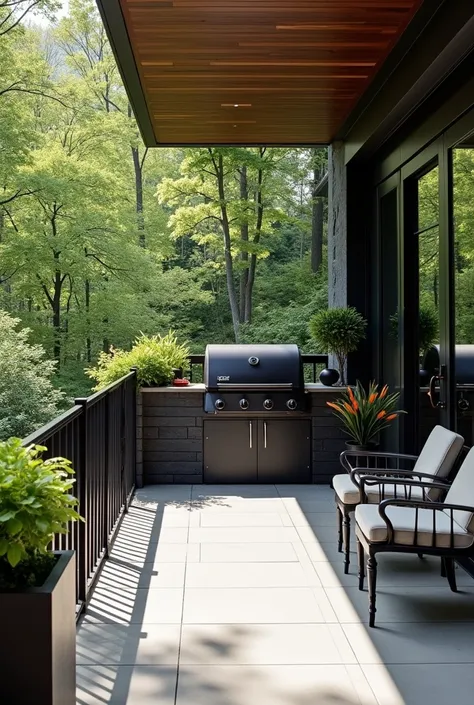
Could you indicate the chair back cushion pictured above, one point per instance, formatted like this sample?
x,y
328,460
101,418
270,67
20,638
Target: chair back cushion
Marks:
x,y
439,453
462,492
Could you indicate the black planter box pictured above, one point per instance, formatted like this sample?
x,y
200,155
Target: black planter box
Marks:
x,y
38,640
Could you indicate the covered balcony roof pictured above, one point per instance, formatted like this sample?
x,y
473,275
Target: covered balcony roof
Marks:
x,y
220,72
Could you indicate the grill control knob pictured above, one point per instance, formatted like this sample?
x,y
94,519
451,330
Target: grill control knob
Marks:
x,y
244,404
219,404
268,404
292,404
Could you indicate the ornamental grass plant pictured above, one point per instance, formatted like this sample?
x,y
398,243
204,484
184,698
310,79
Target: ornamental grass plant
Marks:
x,y
365,414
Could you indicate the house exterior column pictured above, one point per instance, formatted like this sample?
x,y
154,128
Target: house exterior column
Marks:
x,y
337,226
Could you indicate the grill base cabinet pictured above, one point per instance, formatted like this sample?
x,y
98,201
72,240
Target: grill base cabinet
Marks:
x,y
257,451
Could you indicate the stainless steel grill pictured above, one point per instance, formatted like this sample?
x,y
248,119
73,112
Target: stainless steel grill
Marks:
x,y
253,379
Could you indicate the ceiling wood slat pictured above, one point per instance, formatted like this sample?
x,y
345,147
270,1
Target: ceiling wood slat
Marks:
x,y
258,71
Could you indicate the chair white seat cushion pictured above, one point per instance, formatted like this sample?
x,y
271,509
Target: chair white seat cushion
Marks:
x,y
349,493
374,528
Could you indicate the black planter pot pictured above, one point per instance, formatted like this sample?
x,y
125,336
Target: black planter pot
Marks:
x,y
329,377
38,647
361,449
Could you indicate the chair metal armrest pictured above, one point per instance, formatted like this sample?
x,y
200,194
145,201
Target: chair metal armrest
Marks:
x,y
405,486
417,505
398,475
346,464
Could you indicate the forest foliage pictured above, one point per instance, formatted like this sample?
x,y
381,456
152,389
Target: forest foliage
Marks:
x,y
102,239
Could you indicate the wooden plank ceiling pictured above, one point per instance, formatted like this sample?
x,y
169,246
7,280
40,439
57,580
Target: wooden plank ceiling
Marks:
x,y
258,71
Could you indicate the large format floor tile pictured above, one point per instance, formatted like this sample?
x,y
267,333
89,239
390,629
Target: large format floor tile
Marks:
x,y
248,575
412,642
265,644
256,534
256,605
273,685
126,685
422,684
405,604
127,645
247,552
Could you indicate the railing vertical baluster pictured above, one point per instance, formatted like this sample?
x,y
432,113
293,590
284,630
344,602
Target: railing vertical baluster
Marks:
x,y
81,478
105,505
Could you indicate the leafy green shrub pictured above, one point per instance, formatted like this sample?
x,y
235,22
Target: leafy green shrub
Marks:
x,y
28,398
35,503
155,357
338,331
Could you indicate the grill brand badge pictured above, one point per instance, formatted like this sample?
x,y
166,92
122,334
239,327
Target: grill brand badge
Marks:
x,y
223,378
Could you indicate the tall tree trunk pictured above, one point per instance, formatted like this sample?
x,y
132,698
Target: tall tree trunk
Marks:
x,y
255,241
229,265
244,236
316,221
138,163
138,169
88,322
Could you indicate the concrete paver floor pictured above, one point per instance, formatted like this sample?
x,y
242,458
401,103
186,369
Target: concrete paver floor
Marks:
x,y
235,595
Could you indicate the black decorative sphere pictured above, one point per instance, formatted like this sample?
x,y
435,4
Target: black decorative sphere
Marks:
x,y
329,377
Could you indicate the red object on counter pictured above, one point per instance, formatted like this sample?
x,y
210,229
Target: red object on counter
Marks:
x,y
181,382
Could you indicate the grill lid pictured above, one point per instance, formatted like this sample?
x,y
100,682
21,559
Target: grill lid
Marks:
x,y
464,362
253,367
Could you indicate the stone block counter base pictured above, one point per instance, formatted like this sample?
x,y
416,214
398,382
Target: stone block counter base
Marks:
x,y
170,434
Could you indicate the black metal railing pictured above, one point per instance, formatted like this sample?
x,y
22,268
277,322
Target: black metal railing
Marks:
x,y
312,365
98,435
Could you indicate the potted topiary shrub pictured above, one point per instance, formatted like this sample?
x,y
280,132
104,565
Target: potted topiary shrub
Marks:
x,y
155,358
37,585
338,331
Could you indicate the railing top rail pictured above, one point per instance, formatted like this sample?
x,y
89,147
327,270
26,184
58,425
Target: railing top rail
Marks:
x,y
97,396
53,426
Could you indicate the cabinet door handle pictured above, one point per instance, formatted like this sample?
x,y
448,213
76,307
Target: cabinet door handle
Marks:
x,y
250,434
264,434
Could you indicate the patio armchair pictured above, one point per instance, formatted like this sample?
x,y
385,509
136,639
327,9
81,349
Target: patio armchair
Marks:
x,y
396,525
437,459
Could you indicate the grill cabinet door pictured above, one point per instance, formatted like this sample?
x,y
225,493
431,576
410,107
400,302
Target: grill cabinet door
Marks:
x,y
230,451
284,450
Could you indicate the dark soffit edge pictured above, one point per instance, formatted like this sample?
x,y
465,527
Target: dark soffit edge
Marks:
x,y
116,29
446,42
419,22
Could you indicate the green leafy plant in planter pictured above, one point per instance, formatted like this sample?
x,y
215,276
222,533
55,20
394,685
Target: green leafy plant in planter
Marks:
x,y
338,331
35,503
155,358
364,414
37,585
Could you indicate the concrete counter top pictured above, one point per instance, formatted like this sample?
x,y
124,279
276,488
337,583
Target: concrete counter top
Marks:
x,y
200,387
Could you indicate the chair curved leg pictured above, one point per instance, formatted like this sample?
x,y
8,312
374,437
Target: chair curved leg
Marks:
x,y
450,573
339,528
360,560
346,530
443,569
372,584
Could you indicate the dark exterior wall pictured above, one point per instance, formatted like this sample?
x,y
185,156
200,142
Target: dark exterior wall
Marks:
x,y
172,437
169,444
